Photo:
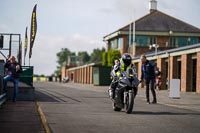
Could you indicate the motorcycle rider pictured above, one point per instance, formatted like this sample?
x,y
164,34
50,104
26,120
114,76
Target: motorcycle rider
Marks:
x,y
122,65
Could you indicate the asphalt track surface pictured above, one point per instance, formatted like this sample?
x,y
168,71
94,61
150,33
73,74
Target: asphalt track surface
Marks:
x,y
72,108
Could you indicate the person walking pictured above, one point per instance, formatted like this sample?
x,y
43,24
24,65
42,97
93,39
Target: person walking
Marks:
x,y
148,75
13,72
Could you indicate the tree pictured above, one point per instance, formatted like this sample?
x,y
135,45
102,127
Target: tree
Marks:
x,y
96,55
62,57
57,71
85,56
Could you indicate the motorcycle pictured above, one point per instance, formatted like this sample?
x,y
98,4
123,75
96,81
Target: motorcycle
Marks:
x,y
125,92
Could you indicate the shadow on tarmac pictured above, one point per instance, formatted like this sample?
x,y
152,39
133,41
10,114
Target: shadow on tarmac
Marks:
x,y
42,97
161,113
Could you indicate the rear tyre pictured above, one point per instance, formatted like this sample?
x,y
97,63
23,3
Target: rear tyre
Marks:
x,y
129,102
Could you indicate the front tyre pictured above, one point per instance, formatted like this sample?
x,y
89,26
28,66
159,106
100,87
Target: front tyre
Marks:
x,y
129,101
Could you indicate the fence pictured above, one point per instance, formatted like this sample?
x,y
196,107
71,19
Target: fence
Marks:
x,y
2,94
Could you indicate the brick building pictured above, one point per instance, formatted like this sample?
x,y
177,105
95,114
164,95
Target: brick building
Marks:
x,y
178,63
154,28
81,74
176,46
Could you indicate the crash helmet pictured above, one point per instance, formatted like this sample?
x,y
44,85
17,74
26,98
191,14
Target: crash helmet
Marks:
x,y
126,58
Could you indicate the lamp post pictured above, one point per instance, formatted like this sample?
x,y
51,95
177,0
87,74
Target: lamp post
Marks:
x,y
154,46
188,41
170,33
168,82
168,55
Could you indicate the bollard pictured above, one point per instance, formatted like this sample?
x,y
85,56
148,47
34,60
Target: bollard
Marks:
x,y
174,91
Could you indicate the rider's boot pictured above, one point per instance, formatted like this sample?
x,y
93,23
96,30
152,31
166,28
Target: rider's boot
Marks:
x,y
111,92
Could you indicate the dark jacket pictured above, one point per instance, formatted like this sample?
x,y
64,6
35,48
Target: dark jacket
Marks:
x,y
148,70
11,69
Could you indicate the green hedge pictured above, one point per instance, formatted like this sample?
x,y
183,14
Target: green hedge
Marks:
x,y
109,57
104,58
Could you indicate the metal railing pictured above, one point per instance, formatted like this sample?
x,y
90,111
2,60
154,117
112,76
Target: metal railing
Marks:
x,y
2,98
2,94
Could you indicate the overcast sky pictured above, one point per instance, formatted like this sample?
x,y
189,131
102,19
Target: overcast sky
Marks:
x,y
80,25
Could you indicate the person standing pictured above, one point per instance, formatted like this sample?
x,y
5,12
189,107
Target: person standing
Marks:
x,y
148,75
158,79
13,72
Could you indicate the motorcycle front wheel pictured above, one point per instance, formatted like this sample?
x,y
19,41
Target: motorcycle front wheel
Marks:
x,y
129,101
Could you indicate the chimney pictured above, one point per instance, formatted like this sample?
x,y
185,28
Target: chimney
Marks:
x,y
152,5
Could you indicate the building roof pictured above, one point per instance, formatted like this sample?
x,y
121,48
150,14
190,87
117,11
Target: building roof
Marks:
x,y
195,47
161,22
157,21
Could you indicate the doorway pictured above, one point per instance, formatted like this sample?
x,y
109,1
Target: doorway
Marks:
x,y
179,70
194,74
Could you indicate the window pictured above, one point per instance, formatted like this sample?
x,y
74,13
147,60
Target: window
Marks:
x,y
117,43
193,40
183,41
141,40
120,43
114,44
173,42
152,40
